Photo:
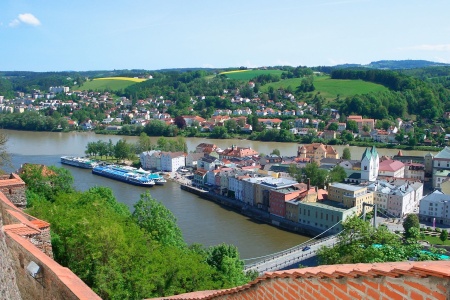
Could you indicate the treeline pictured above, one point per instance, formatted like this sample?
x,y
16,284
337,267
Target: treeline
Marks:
x,y
125,150
123,255
408,95
33,121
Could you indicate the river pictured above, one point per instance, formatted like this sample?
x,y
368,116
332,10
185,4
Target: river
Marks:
x,y
201,221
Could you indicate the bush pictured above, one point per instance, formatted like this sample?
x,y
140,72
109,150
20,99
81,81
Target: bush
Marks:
x,y
422,229
429,229
437,229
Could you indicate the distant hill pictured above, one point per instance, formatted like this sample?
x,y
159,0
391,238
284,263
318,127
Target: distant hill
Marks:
x,y
395,64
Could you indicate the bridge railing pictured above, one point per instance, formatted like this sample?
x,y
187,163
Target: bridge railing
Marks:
x,y
290,251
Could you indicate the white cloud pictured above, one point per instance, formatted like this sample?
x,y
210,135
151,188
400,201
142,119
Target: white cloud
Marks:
x,y
442,47
26,18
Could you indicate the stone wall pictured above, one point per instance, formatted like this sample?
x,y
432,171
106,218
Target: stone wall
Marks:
x,y
8,286
13,187
25,240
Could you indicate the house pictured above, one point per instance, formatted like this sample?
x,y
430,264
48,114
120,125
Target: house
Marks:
x,y
270,123
317,151
237,152
172,161
192,158
369,123
392,168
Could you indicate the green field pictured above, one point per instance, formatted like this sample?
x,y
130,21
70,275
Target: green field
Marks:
x,y
101,84
249,74
331,88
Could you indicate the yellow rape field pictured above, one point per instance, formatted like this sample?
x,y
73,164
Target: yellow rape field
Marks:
x,y
122,78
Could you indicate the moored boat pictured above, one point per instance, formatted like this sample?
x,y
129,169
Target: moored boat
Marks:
x,y
124,174
80,162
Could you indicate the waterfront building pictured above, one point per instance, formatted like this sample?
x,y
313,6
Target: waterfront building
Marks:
x,y
192,159
151,160
236,186
324,214
436,207
350,196
199,177
263,188
248,189
316,152
172,161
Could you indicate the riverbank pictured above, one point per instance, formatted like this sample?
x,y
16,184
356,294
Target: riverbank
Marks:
x,y
252,212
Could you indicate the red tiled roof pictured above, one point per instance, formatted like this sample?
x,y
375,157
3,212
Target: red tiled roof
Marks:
x,y
422,269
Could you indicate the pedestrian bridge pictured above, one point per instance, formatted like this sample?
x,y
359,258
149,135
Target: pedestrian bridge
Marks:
x,y
289,257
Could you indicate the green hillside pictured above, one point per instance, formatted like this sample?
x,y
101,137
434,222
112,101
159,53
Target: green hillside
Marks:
x,y
113,84
249,74
330,88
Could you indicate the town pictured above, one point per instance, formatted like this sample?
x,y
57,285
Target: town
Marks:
x,y
394,184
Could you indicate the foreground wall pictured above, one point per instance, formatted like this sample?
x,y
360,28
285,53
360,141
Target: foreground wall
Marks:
x,y
402,280
24,242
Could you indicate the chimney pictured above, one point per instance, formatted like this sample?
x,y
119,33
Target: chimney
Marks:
x,y
308,185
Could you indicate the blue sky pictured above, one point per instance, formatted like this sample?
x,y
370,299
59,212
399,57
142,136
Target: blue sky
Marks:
x,y
55,35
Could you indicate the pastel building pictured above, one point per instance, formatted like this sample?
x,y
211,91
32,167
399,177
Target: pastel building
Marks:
x,y
435,207
350,196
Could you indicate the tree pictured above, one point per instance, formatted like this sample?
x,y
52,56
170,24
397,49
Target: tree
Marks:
x,y
361,243
333,126
230,268
276,152
411,221
122,150
352,126
346,154
158,221
444,235
47,182
337,174
316,175
4,155
180,122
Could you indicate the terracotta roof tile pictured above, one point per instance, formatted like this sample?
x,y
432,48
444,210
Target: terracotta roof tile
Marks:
x,y
21,229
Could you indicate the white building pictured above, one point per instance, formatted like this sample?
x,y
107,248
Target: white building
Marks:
x,y
370,164
392,168
397,196
435,206
151,160
441,167
172,161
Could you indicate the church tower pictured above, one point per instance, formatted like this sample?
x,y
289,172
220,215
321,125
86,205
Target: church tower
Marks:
x,y
370,164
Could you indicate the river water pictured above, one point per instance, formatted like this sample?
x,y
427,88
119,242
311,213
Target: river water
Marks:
x,y
201,221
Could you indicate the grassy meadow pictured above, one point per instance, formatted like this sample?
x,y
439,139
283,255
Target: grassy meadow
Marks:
x,y
110,83
331,88
249,74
